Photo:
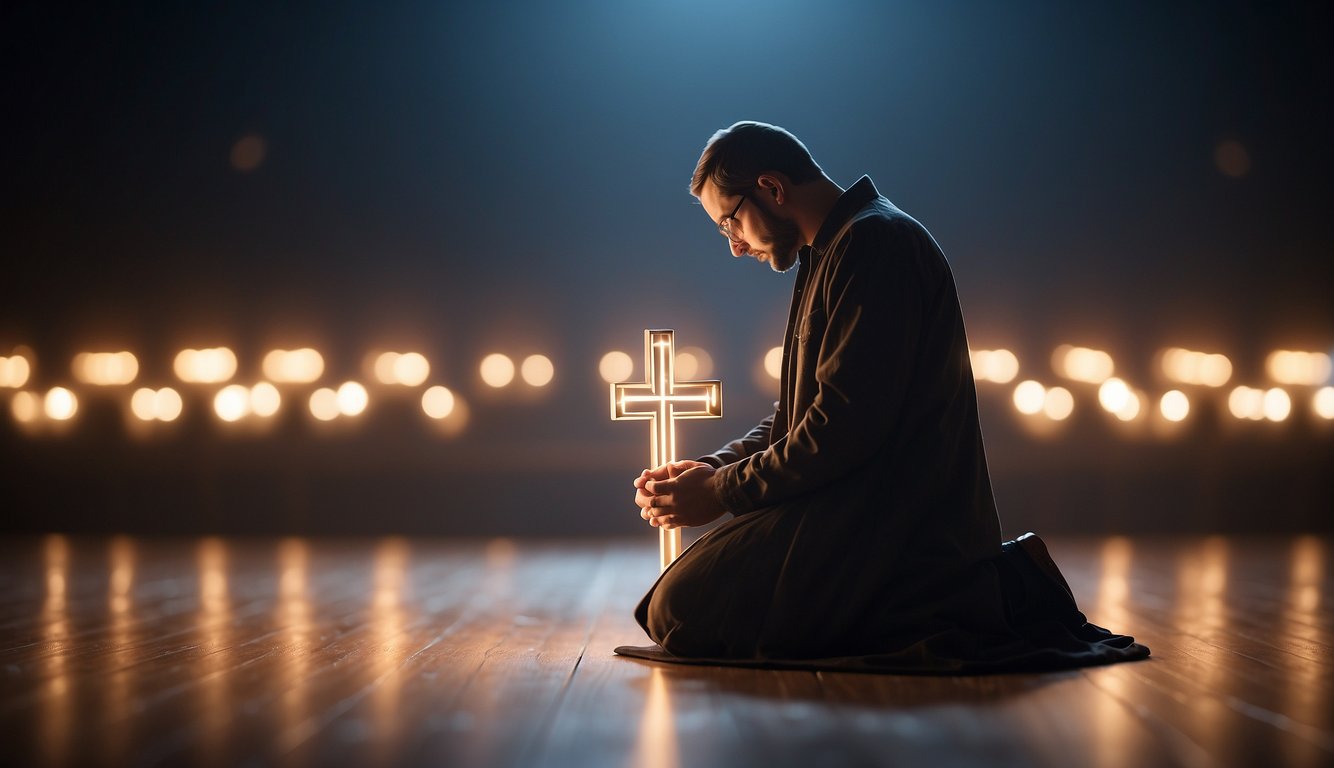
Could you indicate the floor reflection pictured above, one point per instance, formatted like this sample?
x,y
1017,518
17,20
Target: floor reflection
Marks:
x,y
57,711
391,569
294,622
214,644
657,745
118,691
1307,701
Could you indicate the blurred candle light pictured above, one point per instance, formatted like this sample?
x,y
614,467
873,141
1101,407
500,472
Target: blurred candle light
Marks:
x,y
438,402
1185,366
205,366
615,366
293,366
1323,402
1277,404
264,399
537,370
996,365
1058,403
324,404
1029,396
14,371
773,362
1174,405
1294,367
1093,366
156,404
26,407
352,398
60,404
497,370
105,368
232,403
1247,403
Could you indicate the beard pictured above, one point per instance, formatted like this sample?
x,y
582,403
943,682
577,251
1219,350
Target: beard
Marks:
x,y
784,240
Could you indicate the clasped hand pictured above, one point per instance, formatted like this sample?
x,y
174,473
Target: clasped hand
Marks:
x,y
678,494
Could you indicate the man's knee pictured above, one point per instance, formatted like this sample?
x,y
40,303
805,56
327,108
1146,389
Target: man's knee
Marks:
x,y
680,618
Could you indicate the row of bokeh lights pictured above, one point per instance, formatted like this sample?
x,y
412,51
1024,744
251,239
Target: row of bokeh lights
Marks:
x,y
234,402
1189,368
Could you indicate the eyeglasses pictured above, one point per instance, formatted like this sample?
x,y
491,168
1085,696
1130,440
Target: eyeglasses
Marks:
x,y
730,226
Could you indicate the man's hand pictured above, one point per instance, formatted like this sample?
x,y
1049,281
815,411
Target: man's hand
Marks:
x,y
679,494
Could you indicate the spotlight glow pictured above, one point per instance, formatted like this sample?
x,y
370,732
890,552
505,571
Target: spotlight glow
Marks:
x,y
1247,403
615,367
293,366
205,366
104,369
1174,405
773,362
1113,395
1093,366
60,404
411,369
1303,368
1029,396
995,365
693,362
438,402
14,371
537,370
497,370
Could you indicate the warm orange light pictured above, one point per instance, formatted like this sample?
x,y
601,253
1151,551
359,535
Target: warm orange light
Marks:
x,y
615,366
324,404
1323,402
1028,397
105,368
293,366
537,370
1186,366
205,366
408,369
352,398
26,407
1082,364
60,404
1277,404
773,362
1058,404
264,399
995,365
1293,367
693,362
497,370
1117,398
438,402
1174,405
14,371
1247,403
156,405
232,403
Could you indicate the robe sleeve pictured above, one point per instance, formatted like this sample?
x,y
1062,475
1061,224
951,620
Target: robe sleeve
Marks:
x,y
754,441
873,306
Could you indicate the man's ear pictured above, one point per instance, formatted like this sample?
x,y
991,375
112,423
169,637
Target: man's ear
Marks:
x,y
774,186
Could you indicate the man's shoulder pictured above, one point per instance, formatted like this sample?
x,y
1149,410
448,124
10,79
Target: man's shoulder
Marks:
x,y
881,226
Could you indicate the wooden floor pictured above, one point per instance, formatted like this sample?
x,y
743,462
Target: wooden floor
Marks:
x,y
480,653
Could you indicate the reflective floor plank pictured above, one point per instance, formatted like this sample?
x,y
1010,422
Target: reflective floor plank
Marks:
x,y
312,652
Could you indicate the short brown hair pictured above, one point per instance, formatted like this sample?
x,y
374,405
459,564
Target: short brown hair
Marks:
x,y
736,156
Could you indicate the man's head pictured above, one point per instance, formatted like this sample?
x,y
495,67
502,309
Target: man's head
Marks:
x,y
749,180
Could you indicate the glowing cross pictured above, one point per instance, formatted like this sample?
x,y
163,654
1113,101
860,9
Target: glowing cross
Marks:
x,y
661,400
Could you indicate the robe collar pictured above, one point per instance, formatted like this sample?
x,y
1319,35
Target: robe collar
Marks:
x,y
853,199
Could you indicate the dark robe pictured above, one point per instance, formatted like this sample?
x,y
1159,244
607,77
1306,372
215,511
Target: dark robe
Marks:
x,y
865,533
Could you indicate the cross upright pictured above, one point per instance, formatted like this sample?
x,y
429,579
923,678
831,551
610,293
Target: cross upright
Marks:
x,y
661,400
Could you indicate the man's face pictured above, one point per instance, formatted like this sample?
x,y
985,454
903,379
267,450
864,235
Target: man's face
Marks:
x,y
761,233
